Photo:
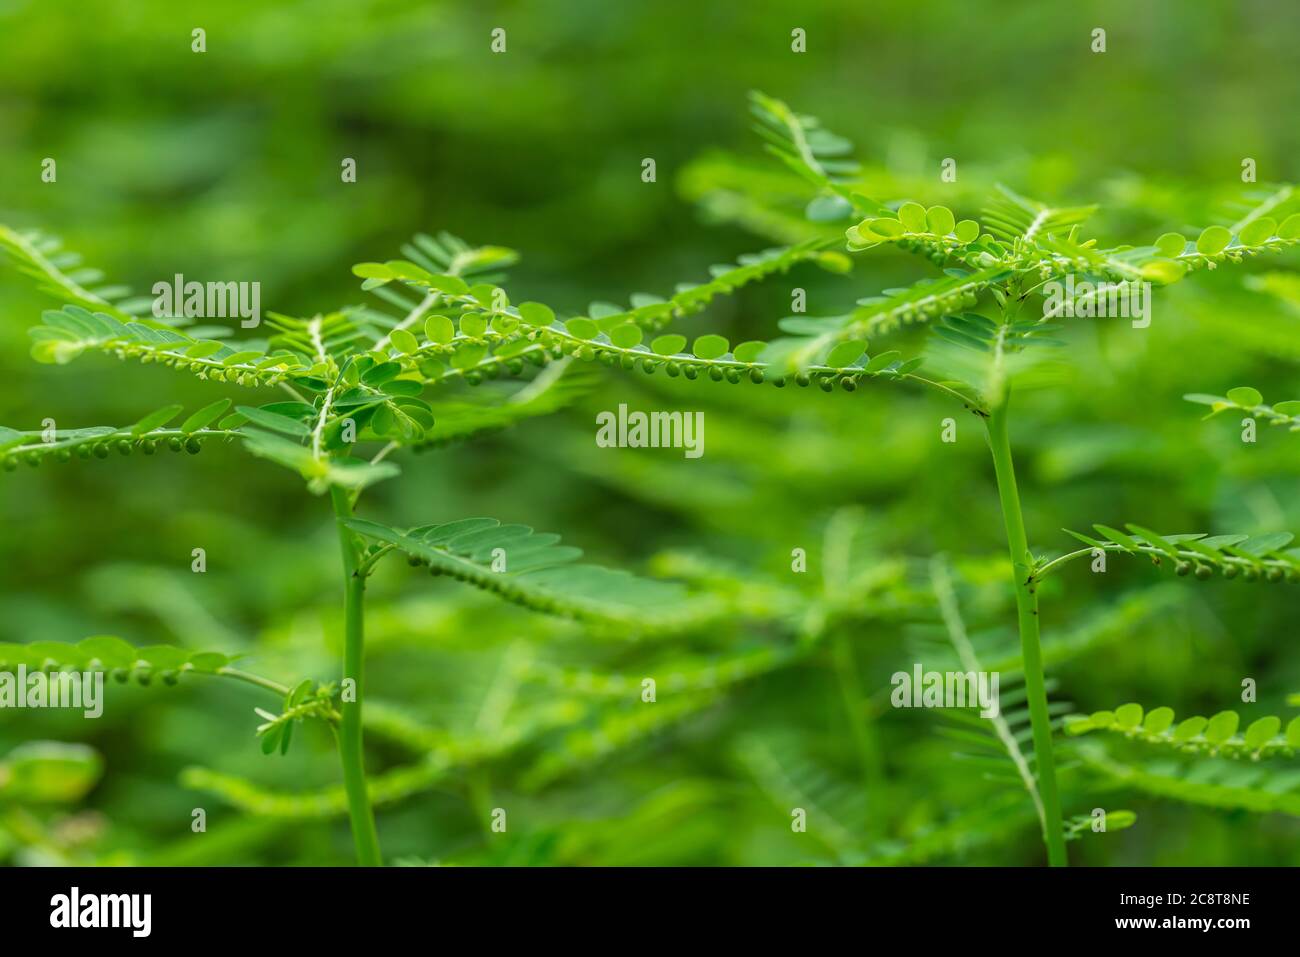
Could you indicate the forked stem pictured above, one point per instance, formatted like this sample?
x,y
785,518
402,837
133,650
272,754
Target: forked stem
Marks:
x,y
1030,647
351,750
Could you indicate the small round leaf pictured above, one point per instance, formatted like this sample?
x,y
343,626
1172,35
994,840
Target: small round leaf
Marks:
x,y
711,346
1213,240
912,216
668,345
1245,396
940,220
439,329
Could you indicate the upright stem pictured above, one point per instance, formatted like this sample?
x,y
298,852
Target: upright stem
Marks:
x,y
1031,650
351,750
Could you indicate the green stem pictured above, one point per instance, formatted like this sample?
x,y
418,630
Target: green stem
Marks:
x,y
351,750
1031,650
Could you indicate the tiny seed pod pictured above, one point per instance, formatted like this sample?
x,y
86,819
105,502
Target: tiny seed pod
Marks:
x,y
1204,571
848,383
1183,568
101,450
756,376
648,367
192,445
673,370
473,378
1231,571
801,379
10,464
1250,574
170,677
515,366
413,561
1275,574
121,675
779,382
733,376
585,353
83,451
608,359
174,443
63,455
715,373
826,383
628,362
124,446
144,676
690,372
149,446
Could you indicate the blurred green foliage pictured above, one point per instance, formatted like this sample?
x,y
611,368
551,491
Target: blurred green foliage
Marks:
x,y
226,164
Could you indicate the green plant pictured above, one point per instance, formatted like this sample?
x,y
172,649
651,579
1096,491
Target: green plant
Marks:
x,y
354,378
1021,246
360,375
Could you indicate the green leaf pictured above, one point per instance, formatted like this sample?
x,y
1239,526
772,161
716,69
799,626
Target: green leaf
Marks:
x,y
372,271
439,329
273,421
403,341
1170,245
668,345
626,336
582,327
1190,728
156,420
939,220
1221,727
889,228
1257,231
1128,716
1245,396
710,347
381,373
1158,720
913,218
49,772
1262,731
846,353
1213,240
1118,537
536,314
537,572
205,416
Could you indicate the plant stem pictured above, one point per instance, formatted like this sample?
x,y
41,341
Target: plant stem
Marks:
x,y
351,751
1031,650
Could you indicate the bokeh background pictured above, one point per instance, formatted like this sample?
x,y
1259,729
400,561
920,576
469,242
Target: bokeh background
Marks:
x,y
226,165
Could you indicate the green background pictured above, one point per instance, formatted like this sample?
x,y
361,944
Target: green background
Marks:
x,y
226,165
